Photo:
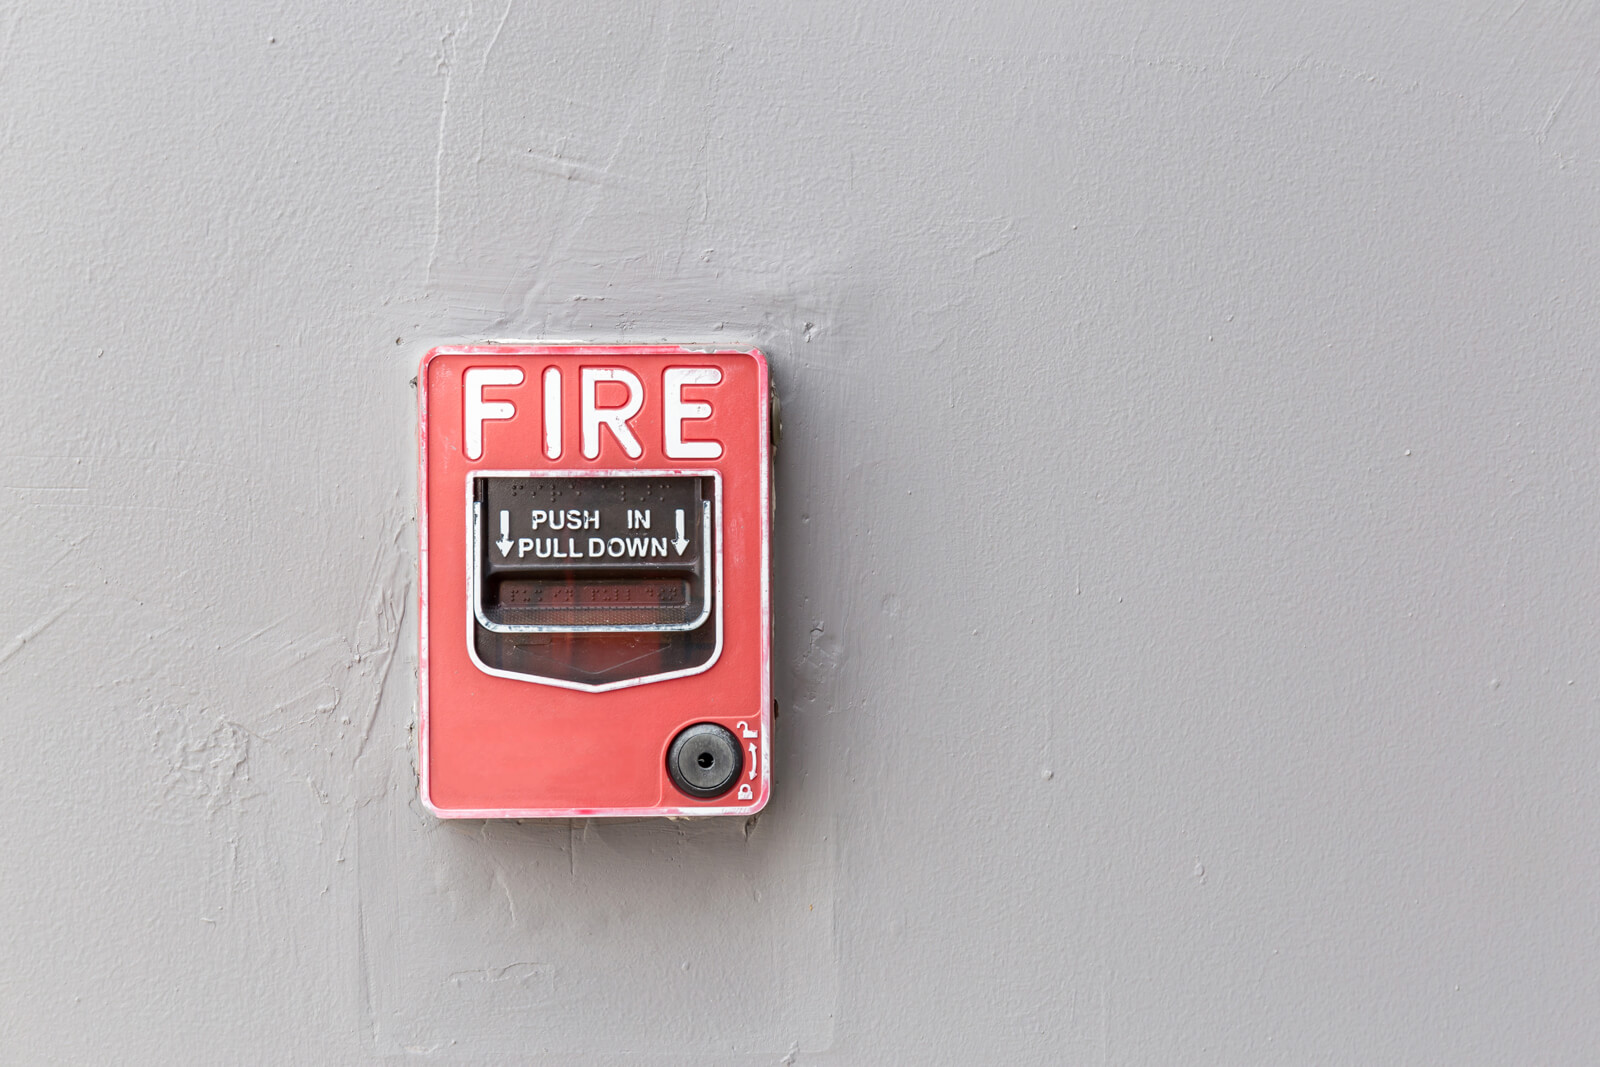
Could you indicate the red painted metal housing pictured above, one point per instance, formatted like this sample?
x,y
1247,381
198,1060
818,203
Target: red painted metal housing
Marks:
x,y
496,746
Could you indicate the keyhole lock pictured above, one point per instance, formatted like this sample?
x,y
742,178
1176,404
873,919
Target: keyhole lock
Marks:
x,y
705,760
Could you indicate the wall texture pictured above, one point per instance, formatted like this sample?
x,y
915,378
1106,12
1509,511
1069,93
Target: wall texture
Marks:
x,y
1187,564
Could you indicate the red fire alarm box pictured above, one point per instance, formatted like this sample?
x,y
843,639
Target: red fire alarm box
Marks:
x,y
594,528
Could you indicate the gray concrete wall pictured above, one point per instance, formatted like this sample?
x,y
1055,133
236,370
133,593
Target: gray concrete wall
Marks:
x,y
1187,569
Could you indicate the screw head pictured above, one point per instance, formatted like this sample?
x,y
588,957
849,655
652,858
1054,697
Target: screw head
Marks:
x,y
704,760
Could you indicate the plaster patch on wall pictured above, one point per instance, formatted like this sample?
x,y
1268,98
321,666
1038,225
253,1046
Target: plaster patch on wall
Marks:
x,y
208,764
814,673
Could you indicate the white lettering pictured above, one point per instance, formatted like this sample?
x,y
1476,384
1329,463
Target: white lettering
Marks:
x,y
615,547
552,412
539,516
597,547
478,410
592,416
523,544
678,410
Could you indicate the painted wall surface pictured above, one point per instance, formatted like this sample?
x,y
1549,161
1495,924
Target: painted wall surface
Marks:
x,y
1187,561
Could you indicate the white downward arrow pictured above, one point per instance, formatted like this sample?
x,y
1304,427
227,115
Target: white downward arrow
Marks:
x,y
504,544
682,542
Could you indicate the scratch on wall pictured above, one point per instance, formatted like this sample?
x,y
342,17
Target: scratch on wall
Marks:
x,y
375,641
391,593
1560,102
511,972
1272,77
447,58
15,645
495,38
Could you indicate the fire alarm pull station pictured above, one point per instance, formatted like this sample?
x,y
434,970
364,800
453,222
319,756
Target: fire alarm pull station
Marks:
x,y
594,527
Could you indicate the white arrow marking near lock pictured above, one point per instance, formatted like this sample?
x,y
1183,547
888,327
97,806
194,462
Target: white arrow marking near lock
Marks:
x,y
682,542
504,544
752,773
